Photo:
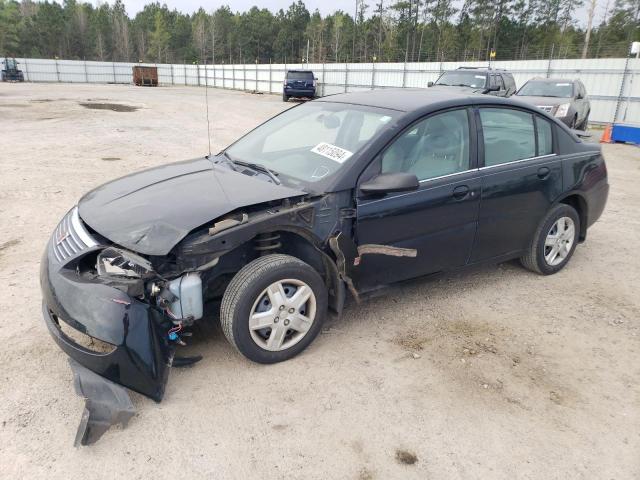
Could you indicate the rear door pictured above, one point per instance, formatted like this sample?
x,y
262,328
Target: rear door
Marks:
x,y
439,219
520,175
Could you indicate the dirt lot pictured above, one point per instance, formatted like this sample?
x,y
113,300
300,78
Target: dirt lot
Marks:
x,y
496,373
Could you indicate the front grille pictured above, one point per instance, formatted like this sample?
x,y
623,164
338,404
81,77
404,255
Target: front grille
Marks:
x,y
546,108
70,237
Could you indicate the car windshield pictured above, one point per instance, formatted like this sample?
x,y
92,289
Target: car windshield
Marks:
x,y
311,141
547,89
299,76
461,78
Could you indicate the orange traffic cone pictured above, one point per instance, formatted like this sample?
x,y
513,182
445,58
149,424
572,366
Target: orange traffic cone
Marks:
x,y
606,135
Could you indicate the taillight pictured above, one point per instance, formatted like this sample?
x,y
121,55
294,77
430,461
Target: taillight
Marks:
x,y
285,82
314,82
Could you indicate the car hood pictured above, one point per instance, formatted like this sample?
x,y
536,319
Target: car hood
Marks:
x,y
542,101
150,211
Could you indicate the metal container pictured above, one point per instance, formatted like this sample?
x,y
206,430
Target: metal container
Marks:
x,y
145,76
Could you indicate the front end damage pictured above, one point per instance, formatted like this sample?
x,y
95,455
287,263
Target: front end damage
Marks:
x,y
104,323
120,315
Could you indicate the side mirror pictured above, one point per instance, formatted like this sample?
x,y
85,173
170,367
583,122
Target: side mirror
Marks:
x,y
429,84
579,96
315,78
390,182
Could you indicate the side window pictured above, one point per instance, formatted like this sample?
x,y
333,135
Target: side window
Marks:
x,y
545,137
508,135
435,146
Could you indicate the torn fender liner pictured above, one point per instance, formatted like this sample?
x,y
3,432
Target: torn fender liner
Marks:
x,y
105,404
371,249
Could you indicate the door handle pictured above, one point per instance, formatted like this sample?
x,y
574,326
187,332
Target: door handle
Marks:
x,y
543,173
460,192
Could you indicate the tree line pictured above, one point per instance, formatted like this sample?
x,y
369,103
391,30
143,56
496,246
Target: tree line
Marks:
x,y
386,31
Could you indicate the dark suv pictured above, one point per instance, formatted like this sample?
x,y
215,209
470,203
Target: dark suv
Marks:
x,y
478,80
299,84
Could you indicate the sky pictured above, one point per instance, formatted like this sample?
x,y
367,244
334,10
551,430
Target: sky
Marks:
x,y
324,6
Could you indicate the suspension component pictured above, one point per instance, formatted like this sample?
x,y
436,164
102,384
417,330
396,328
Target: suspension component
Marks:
x,y
267,242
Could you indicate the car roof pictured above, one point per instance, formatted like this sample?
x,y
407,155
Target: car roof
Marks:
x,y
481,69
405,99
299,71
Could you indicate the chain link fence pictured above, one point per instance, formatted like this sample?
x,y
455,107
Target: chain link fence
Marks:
x,y
613,84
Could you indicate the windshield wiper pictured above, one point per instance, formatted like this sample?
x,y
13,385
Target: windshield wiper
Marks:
x,y
225,156
257,166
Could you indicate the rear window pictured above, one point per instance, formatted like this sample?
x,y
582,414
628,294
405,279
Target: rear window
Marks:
x,y
300,75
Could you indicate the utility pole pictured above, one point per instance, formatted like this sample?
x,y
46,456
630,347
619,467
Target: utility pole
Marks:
x,y
380,30
592,11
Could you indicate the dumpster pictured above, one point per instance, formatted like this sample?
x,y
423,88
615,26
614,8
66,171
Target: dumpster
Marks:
x,y
145,76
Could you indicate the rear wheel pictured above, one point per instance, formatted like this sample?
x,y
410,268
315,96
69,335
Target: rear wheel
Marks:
x,y
285,98
273,308
554,242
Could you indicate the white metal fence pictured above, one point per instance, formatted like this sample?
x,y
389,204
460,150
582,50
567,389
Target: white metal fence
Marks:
x,y
610,83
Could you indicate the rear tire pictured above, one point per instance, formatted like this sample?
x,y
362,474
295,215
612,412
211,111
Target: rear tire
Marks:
x,y
273,308
285,98
554,241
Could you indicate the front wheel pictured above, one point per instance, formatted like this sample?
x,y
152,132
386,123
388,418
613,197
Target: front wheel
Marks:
x,y
554,242
273,308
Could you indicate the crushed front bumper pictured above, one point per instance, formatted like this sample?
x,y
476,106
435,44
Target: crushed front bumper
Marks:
x,y
141,355
114,340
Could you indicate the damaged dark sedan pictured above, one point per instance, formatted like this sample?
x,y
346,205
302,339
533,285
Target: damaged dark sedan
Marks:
x,y
338,196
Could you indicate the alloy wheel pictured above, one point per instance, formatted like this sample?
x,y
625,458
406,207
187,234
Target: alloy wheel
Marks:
x,y
559,241
282,314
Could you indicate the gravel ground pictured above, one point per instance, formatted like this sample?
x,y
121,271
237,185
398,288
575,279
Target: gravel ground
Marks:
x,y
494,373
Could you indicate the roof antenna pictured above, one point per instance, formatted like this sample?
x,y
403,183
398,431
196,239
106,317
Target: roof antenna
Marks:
x,y
206,96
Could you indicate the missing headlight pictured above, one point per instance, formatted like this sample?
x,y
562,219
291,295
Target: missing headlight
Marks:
x,y
120,263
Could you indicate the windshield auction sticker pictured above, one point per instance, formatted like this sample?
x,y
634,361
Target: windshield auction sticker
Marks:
x,y
332,152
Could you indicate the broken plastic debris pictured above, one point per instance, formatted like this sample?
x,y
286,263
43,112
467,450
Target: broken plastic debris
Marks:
x,y
106,404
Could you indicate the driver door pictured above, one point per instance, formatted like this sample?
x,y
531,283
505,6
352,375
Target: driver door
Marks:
x,y
438,219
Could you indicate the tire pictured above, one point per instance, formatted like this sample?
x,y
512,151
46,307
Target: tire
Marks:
x,y
246,296
285,98
547,237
